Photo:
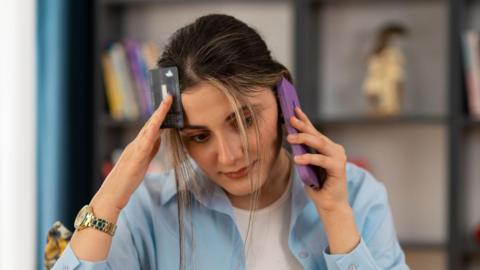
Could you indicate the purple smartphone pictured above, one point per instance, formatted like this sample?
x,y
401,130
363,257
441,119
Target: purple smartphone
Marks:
x,y
312,176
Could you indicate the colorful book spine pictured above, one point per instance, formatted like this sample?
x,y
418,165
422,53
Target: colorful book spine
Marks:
x,y
472,71
120,63
125,70
146,83
133,68
113,93
140,81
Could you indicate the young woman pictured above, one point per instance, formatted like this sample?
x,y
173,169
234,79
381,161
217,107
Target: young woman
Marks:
x,y
232,198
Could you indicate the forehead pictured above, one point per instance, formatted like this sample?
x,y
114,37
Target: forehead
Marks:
x,y
205,103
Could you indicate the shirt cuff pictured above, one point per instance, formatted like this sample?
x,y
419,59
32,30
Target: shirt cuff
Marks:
x,y
68,261
359,258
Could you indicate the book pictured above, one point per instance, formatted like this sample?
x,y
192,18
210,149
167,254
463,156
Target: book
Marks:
x,y
125,67
471,55
120,64
139,76
112,91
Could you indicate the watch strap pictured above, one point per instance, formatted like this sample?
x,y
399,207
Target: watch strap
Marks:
x,y
101,225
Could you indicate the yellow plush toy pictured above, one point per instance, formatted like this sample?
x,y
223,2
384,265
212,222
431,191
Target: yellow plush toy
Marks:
x,y
57,240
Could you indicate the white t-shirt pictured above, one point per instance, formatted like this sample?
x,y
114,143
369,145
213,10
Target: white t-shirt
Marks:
x,y
268,238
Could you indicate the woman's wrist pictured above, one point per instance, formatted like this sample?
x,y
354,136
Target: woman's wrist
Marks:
x,y
341,230
105,209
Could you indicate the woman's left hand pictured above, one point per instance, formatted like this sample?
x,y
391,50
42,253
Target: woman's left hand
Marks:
x,y
331,200
330,156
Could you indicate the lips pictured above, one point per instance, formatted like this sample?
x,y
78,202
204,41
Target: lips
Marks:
x,y
238,174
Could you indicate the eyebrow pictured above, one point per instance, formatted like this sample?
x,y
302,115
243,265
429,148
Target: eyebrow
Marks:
x,y
227,119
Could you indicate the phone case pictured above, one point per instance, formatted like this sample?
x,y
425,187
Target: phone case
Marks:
x,y
311,175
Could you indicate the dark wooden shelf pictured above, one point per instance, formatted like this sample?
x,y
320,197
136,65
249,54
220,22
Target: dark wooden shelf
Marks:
x,y
471,249
471,122
370,1
365,120
423,246
472,252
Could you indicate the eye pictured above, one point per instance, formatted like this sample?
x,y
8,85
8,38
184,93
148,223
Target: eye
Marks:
x,y
200,138
248,121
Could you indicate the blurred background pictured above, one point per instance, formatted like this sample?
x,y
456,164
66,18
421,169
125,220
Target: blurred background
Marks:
x,y
73,78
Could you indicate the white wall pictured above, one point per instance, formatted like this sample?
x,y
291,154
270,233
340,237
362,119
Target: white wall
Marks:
x,y
411,161
273,21
17,135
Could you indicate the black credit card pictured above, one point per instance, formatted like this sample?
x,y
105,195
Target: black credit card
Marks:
x,y
164,81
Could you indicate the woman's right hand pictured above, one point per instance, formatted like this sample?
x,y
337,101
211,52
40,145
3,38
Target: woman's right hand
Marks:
x,y
91,244
131,167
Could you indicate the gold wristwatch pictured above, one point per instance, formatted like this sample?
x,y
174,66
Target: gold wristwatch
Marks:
x,y
87,219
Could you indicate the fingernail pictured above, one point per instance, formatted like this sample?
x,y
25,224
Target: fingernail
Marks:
x,y
165,99
297,158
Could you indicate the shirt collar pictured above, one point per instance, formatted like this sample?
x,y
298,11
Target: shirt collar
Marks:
x,y
162,188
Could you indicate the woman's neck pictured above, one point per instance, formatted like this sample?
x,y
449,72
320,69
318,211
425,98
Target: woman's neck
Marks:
x,y
273,187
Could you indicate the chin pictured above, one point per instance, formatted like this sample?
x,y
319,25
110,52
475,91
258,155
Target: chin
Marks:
x,y
240,187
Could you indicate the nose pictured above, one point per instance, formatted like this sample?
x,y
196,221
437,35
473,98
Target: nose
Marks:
x,y
230,150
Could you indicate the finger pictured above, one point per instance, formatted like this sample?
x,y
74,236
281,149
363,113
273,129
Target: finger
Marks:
x,y
151,129
156,147
300,125
302,116
319,143
331,165
307,127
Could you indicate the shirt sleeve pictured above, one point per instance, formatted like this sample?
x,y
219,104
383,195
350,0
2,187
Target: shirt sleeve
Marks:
x,y
122,254
359,258
68,261
378,247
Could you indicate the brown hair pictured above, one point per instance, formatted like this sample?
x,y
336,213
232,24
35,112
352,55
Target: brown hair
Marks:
x,y
230,55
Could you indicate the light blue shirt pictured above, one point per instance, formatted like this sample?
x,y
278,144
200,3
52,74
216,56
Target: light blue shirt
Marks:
x,y
147,233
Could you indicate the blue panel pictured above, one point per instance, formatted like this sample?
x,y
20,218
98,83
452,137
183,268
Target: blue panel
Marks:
x,y
52,149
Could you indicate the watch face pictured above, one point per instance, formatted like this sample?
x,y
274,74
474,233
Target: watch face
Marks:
x,y
81,217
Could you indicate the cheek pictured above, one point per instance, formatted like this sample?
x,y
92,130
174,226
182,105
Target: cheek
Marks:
x,y
268,133
201,156
268,139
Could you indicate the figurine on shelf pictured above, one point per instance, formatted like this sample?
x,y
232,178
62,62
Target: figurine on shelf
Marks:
x,y
383,85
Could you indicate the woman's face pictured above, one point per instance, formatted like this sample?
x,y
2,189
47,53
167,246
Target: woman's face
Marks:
x,y
213,140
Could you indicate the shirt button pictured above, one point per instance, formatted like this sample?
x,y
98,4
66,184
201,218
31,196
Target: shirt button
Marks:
x,y
352,267
303,254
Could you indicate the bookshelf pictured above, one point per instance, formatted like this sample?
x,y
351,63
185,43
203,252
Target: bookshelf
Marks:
x,y
438,110
332,85
356,120
463,136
